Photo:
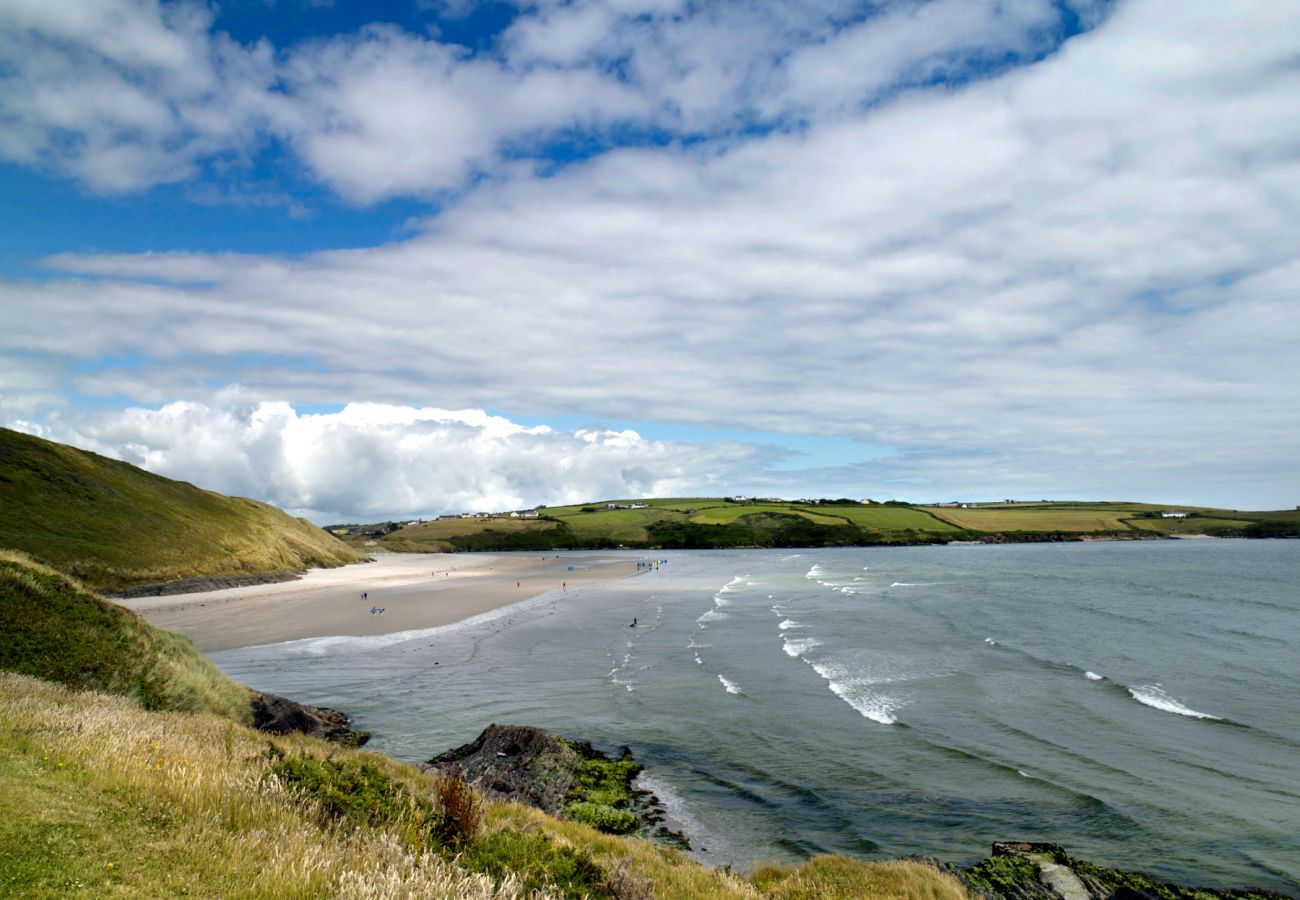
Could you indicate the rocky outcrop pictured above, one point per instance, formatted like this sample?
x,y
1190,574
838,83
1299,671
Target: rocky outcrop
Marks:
x,y
1035,871
516,763
280,715
565,778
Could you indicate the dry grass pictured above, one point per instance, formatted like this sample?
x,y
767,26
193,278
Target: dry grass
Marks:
x,y
103,799
163,804
838,876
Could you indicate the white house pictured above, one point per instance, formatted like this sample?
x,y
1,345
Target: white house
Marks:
x,y
1173,514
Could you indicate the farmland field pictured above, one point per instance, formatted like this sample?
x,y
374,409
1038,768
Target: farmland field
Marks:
x,y
1194,525
1045,519
725,515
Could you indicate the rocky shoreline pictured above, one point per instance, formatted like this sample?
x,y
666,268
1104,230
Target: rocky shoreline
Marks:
x,y
534,767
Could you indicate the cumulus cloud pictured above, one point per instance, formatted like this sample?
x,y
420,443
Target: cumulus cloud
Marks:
x,y
373,461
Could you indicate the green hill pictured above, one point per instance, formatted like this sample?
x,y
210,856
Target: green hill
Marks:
x,y
718,522
113,525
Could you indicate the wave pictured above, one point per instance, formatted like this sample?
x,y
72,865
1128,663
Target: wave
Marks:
x,y
789,623
343,643
1093,676
719,600
731,686
855,691
731,585
711,616
1154,695
814,573
797,648
698,661
916,583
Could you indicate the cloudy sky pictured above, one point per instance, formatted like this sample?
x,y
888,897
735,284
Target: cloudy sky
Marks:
x,y
378,260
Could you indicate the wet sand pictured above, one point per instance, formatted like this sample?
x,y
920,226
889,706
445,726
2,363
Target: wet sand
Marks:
x,y
415,590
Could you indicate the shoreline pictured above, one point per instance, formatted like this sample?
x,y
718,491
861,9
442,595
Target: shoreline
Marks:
x,y
415,590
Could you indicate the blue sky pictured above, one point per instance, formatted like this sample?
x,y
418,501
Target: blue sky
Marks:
x,y
451,255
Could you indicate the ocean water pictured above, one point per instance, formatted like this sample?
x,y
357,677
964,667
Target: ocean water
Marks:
x,y
1136,702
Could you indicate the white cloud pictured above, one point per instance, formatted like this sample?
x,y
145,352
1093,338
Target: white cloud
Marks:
x,y
373,461
1067,274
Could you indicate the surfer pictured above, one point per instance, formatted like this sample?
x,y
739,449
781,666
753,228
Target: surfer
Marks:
x,y
633,625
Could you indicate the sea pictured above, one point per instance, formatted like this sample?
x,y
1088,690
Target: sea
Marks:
x,y
1136,702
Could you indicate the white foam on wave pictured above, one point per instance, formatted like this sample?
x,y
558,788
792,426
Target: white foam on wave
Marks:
x,y
915,583
797,648
848,590
711,616
814,573
693,644
1154,695
731,686
990,641
788,624
857,694
732,584
719,600
344,643
1093,676
698,661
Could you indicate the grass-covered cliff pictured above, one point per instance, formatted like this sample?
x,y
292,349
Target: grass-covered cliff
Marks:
x,y
113,525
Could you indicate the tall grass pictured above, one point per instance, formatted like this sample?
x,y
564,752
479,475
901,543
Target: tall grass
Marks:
x,y
55,629
167,804
103,799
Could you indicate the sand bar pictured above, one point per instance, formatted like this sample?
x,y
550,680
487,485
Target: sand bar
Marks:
x,y
415,590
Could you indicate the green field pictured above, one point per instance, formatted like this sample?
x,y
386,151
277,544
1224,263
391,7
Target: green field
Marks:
x,y
725,515
1042,519
893,518
113,525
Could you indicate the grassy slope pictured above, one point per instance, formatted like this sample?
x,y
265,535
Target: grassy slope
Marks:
x,y
113,525
54,629
103,799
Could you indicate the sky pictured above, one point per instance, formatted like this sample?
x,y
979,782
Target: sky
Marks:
x,y
392,260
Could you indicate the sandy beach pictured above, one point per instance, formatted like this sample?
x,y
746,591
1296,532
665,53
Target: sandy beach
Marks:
x,y
415,590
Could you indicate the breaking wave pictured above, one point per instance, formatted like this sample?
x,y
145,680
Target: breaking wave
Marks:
x,y
731,686
1154,695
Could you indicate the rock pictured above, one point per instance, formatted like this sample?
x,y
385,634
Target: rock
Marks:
x,y
280,715
516,763
565,778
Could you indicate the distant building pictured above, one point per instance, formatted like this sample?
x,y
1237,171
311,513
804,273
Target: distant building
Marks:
x,y
527,514
866,501
1173,514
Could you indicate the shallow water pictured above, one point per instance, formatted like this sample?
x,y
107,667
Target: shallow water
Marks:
x,y
1135,702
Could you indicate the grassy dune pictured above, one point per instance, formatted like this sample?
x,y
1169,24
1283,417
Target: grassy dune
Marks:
x,y
56,630
113,525
104,799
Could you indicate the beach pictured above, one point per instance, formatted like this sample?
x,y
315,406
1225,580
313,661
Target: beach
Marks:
x,y
414,590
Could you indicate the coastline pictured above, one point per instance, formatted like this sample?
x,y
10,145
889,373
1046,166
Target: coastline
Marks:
x,y
415,590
